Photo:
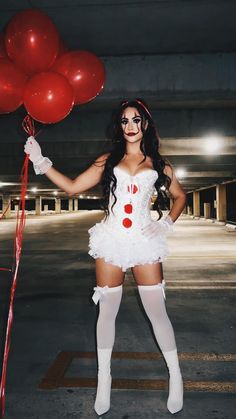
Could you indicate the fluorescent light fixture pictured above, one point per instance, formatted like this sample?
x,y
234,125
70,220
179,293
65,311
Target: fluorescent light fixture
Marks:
x,y
8,184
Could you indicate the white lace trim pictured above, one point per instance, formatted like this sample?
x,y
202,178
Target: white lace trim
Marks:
x,y
125,251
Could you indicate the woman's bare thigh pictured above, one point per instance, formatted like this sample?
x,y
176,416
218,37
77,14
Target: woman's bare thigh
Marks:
x,y
148,274
108,274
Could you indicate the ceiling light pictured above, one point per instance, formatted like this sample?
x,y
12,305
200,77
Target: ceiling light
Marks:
x,y
55,193
34,189
213,144
180,173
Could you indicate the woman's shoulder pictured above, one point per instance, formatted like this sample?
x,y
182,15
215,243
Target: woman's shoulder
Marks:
x,y
168,170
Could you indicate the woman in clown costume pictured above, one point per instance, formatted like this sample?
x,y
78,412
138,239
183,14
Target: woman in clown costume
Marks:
x,y
128,237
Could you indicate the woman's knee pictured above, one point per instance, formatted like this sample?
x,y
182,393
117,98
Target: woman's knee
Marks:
x,y
108,274
148,274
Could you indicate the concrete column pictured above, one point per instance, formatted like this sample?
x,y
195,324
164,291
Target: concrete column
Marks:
x,y
196,203
57,206
207,210
70,205
76,206
189,210
6,206
221,202
38,203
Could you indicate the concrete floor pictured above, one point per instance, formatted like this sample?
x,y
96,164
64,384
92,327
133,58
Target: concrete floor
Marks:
x,y
53,312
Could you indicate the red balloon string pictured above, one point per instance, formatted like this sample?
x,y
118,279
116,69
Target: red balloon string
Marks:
x,y
28,126
20,225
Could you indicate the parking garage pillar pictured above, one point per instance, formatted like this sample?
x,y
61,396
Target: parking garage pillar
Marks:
x,y
189,210
57,205
76,206
207,210
6,206
185,210
196,203
70,206
38,202
221,202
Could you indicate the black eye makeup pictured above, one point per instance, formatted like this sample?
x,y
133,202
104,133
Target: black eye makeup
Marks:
x,y
136,120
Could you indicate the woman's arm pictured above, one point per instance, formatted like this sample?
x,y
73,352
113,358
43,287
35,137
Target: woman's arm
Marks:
x,y
177,192
86,180
42,165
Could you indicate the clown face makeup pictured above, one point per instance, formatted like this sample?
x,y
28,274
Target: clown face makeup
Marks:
x,y
131,123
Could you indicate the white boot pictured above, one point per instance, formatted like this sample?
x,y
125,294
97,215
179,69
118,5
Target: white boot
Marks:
x,y
175,399
102,402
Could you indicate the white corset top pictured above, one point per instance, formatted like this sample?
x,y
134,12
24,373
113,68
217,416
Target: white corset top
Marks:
x,y
132,208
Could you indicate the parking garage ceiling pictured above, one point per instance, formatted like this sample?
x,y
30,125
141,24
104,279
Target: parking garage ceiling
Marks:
x,y
180,56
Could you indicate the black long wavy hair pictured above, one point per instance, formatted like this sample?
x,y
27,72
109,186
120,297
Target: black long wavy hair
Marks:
x,y
149,146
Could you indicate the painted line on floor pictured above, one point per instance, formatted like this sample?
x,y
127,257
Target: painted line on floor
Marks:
x,y
55,376
201,257
189,284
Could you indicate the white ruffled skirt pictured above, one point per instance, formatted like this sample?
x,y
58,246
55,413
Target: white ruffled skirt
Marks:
x,y
125,248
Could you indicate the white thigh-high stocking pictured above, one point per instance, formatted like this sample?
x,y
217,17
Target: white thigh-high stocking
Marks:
x,y
153,300
109,303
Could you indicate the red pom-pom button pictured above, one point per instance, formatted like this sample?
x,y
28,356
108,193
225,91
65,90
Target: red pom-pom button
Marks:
x,y
127,223
128,208
132,188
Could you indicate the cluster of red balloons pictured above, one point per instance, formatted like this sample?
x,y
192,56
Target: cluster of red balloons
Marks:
x,y
37,70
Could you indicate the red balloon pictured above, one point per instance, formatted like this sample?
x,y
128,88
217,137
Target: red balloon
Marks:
x,y
85,72
32,41
62,49
3,53
12,83
48,97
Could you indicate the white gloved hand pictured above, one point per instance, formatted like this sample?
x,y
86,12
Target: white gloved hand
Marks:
x,y
41,164
162,227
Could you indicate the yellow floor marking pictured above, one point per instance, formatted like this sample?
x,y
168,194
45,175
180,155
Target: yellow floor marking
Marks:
x,y
55,376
